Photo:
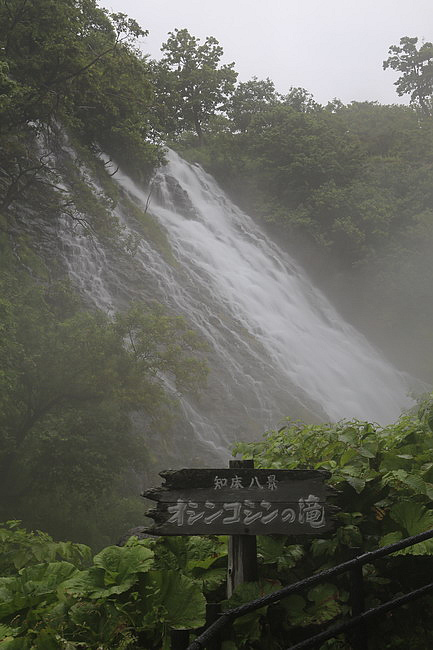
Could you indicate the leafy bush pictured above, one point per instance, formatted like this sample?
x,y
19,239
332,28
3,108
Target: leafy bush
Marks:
x,y
384,476
69,381
54,595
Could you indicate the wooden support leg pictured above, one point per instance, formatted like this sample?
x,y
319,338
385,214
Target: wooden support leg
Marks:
x,y
242,550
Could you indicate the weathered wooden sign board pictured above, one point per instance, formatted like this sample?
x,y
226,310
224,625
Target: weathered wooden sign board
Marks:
x,y
239,501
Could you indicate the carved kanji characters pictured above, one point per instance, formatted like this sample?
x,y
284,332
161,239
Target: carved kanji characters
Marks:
x,y
311,511
255,483
236,482
272,482
219,483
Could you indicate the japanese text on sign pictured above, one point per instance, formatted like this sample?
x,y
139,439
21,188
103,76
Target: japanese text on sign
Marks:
x,y
309,511
237,483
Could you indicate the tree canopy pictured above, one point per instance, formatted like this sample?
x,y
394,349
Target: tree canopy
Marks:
x,y
70,63
70,380
416,67
192,83
248,99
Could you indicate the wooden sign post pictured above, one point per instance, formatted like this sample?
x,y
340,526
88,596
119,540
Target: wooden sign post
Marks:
x,y
242,502
242,549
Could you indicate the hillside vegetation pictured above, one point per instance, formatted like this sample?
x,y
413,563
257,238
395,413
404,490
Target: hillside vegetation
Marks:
x,y
56,595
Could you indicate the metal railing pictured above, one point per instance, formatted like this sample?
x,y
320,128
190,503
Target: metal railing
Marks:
x,y
358,618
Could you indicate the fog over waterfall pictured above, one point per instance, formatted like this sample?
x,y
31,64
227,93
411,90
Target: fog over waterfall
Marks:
x,y
277,347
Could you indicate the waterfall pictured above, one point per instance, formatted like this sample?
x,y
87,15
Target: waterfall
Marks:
x,y
277,347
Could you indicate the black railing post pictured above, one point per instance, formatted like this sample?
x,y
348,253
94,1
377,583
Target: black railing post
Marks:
x,y
179,639
358,637
355,567
213,611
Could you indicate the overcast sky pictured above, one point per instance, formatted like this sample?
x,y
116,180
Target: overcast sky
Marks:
x,y
333,48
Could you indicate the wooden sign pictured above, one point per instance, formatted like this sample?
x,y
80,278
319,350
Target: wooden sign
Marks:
x,y
242,502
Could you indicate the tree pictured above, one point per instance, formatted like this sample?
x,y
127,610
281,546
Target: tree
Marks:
x,y
69,381
301,100
191,82
48,45
73,64
416,66
249,98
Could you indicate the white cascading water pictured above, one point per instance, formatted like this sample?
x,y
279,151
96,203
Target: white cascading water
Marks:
x,y
277,346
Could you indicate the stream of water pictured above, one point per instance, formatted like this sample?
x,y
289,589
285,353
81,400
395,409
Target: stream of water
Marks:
x,y
277,347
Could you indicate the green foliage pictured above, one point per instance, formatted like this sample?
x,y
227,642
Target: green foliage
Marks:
x,y
348,190
179,598
353,181
384,479
20,549
114,571
248,99
70,63
132,595
69,381
371,465
120,598
416,67
322,604
412,518
201,558
274,550
248,629
191,83
35,585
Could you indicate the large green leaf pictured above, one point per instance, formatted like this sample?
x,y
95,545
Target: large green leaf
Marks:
x,y
181,598
213,578
270,549
249,627
357,483
34,584
15,644
47,576
115,570
391,538
48,639
326,598
295,607
7,631
100,623
248,591
83,583
414,518
273,550
121,563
